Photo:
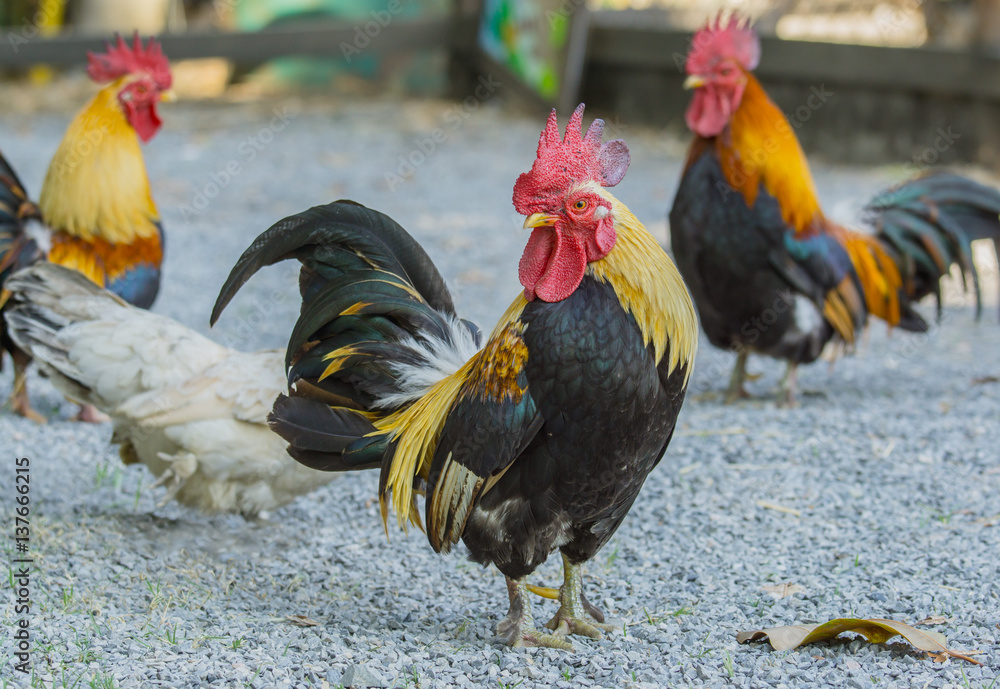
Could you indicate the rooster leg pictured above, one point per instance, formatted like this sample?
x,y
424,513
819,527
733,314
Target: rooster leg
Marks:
x,y
90,414
789,384
518,628
576,614
182,467
19,401
736,390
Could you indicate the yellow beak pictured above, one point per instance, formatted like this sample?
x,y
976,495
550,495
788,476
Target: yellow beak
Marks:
x,y
168,96
540,220
694,81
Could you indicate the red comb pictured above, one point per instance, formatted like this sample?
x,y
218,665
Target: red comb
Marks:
x,y
561,162
120,59
733,39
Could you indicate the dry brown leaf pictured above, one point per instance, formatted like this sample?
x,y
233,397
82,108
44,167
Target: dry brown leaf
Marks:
x,y
933,619
782,590
944,655
983,380
875,630
301,621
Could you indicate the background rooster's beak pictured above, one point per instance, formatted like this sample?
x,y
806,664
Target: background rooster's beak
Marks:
x,y
540,220
168,96
694,81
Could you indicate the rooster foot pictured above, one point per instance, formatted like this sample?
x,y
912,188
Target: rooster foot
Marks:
x,y
19,402
20,405
90,414
736,390
518,628
576,614
789,387
182,467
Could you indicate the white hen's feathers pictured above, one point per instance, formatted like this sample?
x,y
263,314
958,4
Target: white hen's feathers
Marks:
x,y
170,391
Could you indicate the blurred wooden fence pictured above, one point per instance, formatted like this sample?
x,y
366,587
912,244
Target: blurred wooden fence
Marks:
x,y
847,102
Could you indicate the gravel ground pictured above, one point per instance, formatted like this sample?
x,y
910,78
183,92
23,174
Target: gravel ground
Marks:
x,y
887,481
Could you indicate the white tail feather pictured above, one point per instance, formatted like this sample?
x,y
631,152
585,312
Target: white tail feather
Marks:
x,y
441,358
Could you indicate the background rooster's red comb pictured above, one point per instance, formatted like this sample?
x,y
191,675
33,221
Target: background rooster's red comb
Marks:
x,y
562,161
721,39
121,59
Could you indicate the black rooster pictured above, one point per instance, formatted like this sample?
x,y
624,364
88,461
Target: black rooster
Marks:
x,y
538,441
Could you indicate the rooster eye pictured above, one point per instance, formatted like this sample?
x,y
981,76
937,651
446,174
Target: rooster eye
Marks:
x,y
580,205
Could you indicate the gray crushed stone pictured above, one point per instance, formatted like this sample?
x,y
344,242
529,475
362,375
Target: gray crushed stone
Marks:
x,y
886,486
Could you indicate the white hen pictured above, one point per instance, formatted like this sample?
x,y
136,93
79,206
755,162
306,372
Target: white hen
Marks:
x,y
191,410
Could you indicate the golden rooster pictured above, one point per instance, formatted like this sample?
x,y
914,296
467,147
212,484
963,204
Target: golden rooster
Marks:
x,y
540,440
96,199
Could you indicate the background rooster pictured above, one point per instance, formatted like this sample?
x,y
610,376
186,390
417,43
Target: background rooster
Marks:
x,y
541,439
191,410
768,271
96,198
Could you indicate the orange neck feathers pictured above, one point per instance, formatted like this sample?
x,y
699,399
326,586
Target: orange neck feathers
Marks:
x,y
759,145
96,185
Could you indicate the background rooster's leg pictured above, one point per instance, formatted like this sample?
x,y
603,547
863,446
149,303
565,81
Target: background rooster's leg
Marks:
x,y
789,384
19,401
90,414
576,614
518,628
736,390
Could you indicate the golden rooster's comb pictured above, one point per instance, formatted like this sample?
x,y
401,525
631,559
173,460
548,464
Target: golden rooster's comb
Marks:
x,y
121,59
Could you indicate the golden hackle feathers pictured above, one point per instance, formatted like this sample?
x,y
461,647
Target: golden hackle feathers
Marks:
x,y
96,186
649,286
